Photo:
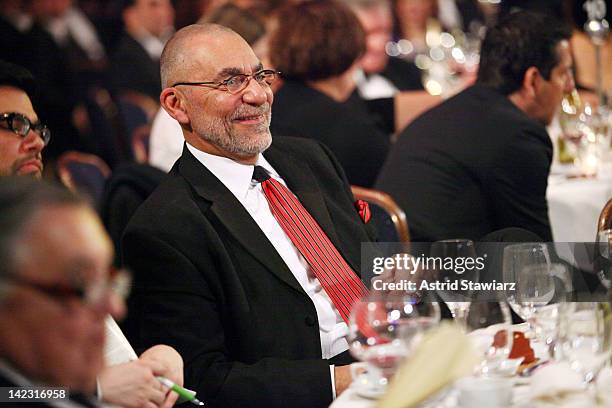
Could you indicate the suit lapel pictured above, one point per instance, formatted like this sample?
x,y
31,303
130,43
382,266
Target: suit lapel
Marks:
x,y
234,217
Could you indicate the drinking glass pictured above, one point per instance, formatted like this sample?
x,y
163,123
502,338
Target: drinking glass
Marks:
x,y
496,341
604,261
528,266
450,268
588,338
382,330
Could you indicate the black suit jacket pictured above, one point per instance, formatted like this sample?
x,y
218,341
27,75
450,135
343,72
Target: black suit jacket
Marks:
x,y
133,69
209,283
470,166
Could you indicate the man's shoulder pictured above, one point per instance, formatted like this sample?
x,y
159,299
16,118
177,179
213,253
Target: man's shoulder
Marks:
x,y
171,198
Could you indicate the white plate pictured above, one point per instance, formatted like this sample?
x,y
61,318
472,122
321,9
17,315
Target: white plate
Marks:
x,y
364,388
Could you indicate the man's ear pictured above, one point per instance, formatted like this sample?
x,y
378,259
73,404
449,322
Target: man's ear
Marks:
x,y
531,81
172,102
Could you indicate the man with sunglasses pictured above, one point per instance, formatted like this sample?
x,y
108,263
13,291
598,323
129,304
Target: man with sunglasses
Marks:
x,y
22,136
246,259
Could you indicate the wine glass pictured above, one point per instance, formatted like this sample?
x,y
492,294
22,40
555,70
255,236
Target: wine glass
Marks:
x,y
450,256
382,330
604,260
588,338
496,341
528,267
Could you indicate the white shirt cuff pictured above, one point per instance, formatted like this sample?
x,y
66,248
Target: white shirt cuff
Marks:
x,y
332,373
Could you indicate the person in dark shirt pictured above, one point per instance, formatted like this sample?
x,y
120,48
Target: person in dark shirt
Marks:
x,y
480,161
316,46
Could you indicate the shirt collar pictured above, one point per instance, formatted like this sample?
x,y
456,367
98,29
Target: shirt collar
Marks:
x,y
237,177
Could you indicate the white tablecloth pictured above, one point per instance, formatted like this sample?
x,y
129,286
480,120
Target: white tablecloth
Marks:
x,y
574,204
350,399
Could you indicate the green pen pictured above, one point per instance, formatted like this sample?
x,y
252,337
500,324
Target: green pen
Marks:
x,y
182,392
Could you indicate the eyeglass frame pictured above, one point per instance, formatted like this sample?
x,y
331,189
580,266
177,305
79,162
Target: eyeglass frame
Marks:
x,y
119,284
217,85
38,127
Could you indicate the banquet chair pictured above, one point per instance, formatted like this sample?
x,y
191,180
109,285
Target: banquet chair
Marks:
x,y
140,143
388,217
136,109
605,217
83,173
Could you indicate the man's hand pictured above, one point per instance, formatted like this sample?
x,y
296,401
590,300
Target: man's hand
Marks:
x,y
343,378
134,384
172,364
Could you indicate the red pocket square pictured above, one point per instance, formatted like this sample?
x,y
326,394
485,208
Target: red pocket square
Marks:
x,y
364,210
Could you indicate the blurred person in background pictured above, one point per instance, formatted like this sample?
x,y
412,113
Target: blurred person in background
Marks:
x,y
382,75
583,51
317,46
22,139
480,161
414,18
135,62
27,42
54,289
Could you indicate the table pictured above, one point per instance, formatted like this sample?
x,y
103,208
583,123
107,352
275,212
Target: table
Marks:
x,y
574,204
350,399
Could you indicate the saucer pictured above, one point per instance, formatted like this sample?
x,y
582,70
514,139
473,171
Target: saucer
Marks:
x,y
364,388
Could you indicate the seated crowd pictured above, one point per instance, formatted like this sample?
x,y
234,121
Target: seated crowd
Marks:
x,y
246,257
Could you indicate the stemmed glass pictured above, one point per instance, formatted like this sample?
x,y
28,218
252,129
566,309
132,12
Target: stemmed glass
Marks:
x,y
450,256
604,263
588,338
528,266
496,341
384,328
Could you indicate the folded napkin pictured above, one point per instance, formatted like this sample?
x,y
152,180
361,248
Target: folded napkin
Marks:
x,y
444,355
557,385
117,348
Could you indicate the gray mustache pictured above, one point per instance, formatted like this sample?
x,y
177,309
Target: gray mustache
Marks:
x,y
246,110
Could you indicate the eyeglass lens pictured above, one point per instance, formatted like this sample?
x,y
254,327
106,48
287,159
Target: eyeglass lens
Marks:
x,y
239,82
21,125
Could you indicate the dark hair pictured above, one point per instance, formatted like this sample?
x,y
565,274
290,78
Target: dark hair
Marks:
x,y
20,198
17,77
315,40
521,40
125,4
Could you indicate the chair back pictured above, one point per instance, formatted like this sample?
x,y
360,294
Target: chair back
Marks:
x,y
388,217
106,126
605,217
136,109
140,143
83,173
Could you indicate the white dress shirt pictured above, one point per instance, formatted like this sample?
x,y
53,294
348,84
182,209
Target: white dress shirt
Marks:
x,y
166,141
237,178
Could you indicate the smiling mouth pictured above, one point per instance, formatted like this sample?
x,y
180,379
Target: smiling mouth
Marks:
x,y
252,119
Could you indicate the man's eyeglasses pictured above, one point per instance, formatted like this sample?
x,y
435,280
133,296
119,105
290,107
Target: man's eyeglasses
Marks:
x,y
118,284
237,83
21,125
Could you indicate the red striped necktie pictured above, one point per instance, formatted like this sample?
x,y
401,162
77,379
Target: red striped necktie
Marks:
x,y
337,278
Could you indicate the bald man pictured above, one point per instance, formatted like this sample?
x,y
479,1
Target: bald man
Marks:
x,y
216,276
